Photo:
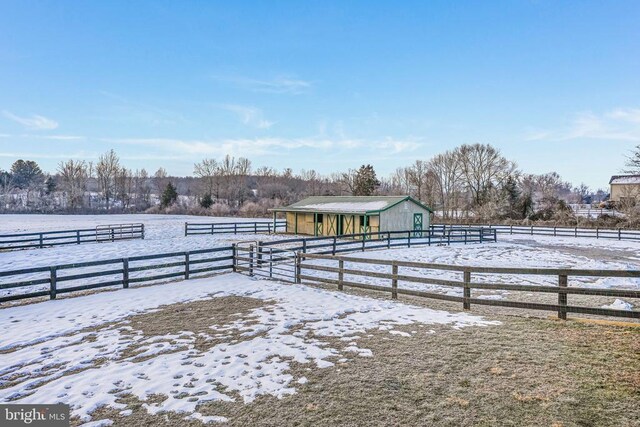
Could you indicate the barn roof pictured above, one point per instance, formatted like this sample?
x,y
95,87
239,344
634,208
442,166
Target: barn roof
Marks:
x,y
348,204
625,179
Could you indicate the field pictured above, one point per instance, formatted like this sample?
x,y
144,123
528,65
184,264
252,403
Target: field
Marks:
x,y
232,350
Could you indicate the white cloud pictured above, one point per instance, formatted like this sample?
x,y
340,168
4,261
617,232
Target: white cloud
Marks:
x,y
250,116
35,122
622,124
249,147
281,84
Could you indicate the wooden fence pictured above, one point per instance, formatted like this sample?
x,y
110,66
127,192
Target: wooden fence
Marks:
x,y
193,228
101,233
563,289
276,259
598,233
118,272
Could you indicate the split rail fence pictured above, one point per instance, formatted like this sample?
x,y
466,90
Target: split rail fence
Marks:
x,y
598,233
563,290
122,272
276,259
101,233
193,228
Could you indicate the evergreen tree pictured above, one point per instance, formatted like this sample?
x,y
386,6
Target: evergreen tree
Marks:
x,y
365,181
26,173
511,196
206,201
49,185
169,195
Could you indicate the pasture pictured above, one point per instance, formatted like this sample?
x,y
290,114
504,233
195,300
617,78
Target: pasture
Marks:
x,y
230,349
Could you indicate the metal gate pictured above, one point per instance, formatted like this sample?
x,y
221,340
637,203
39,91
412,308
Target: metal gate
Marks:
x,y
268,262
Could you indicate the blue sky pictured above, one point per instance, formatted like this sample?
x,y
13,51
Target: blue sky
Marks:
x,y
321,85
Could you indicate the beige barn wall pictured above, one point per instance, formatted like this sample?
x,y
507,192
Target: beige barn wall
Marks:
x,y
619,191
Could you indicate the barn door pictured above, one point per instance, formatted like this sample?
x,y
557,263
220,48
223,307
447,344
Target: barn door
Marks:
x,y
417,225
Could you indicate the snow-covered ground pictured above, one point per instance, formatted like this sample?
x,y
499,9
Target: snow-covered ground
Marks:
x,y
510,251
163,234
78,350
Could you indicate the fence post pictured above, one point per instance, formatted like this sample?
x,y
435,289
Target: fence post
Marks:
x,y
532,230
113,234
562,297
619,234
269,228
482,233
53,282
333,250
466,304
394,281
259,254
213,226
576,232
465,237
511,229
429,237
125,273
235,228
270,262
304,246
255,228
388,240
185,229
340,275
142,231
234,261
449,238
364,237
298,268
41,241
186,266
597,232
408,239
78,236
250,260
555,231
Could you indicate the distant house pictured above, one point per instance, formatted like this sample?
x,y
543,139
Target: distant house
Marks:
x,y
624,187
340,215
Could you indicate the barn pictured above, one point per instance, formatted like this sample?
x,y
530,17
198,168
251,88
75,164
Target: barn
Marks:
x,y
340,215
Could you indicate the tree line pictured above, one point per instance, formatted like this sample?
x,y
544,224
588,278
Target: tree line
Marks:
x,y
470,182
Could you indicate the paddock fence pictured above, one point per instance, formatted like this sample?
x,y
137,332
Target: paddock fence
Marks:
x,y
101,233
120,272
194,228
277,259
309,272
597,233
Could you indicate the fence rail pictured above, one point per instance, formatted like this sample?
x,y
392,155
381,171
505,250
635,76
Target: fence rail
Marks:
x,y
193,228
101,233
277,259
563,289
120,272
598,233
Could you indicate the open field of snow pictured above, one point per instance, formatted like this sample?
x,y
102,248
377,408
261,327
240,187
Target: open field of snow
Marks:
x,y
163,234
90,351
510,251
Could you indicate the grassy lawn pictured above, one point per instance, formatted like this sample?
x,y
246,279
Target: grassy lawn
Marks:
x,y
526,372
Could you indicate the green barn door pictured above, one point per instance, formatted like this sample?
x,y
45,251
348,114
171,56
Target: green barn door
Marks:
x,y
417,225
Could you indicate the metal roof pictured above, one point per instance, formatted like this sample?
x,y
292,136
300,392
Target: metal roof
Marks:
x,y
625,179
347,204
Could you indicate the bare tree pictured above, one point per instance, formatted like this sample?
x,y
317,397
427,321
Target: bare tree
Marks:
x,y
208,170
160,180
73,175
483,169
106,170
447,173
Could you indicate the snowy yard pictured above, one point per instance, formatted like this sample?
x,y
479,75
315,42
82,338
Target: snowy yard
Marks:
x,y
163,234
95,350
